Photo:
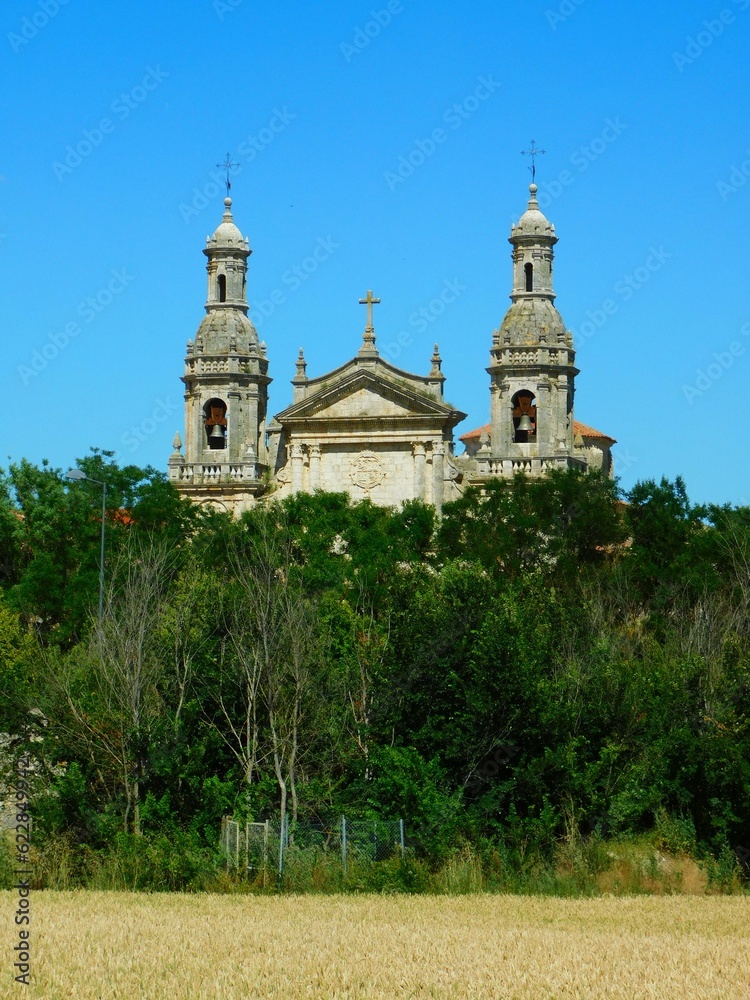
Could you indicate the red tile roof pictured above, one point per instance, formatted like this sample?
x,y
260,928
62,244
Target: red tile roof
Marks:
x,y
590,432
578,428
476,434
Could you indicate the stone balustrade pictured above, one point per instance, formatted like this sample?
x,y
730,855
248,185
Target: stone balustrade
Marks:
x,y
206,474
506,468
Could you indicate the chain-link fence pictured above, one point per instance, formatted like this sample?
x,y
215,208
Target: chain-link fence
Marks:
x,y
265,849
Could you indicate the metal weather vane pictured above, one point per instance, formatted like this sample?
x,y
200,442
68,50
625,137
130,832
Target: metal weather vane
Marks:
x,y
228,165
533,152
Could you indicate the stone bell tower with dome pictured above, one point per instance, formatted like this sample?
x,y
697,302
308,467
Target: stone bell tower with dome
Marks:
x,y
226,386
532,373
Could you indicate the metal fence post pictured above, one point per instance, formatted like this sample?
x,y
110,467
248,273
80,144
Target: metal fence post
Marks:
x,y
401,831
265,853
343,843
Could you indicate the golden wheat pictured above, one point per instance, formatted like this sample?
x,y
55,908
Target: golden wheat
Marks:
x,y
114,945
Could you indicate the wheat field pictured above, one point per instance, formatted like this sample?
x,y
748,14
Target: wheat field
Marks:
x,y
115,945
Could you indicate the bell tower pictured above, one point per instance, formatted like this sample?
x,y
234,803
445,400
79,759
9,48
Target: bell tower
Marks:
x,y
532,364
226,386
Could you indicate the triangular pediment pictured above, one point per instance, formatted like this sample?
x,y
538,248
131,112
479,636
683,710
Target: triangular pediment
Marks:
x,y
365,402
365,395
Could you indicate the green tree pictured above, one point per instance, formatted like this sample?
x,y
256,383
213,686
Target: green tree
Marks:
x,y
555,525
54,529
668,535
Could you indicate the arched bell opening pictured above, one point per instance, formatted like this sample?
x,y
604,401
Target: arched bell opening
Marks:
x,y
215,423
222,287
524,417
528,270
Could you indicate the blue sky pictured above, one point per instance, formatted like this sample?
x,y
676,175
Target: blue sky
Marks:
x,y
114,118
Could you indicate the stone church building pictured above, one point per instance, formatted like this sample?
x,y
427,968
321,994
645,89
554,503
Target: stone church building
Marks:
x,y
369,428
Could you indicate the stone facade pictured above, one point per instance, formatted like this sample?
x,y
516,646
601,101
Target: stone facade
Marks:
x,y
368,428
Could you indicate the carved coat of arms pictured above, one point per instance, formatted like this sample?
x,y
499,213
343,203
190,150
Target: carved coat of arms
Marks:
x,y
367,470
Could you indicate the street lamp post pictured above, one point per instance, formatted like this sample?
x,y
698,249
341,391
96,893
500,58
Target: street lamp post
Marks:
x,y
77,476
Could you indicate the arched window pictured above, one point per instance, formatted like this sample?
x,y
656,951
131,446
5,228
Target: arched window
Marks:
x,y
529,271
524,417
215,423
222,288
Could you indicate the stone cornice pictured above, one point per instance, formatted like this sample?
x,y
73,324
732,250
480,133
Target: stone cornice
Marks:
x,y
419,404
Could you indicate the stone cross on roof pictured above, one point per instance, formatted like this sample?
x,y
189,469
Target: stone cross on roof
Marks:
x,y
368,338
369,302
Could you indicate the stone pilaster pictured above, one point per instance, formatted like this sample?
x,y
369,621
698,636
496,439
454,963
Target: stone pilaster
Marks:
x,y
315,454
232,450
438,474
297,459
418,451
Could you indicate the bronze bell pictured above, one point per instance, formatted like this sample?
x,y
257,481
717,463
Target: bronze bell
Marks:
x,y
217,433
525,424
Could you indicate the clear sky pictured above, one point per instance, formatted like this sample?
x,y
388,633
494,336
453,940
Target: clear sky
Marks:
x,y
379,146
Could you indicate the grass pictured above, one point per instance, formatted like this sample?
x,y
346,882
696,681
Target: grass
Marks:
x,y
578,866
119,945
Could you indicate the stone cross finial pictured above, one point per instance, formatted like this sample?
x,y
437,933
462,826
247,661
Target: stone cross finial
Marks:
x,y
436,361
228,165
301,364
369,301
533,152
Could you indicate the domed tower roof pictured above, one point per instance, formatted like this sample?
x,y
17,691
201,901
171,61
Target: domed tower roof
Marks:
x,y
533,222
227,235
226,331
